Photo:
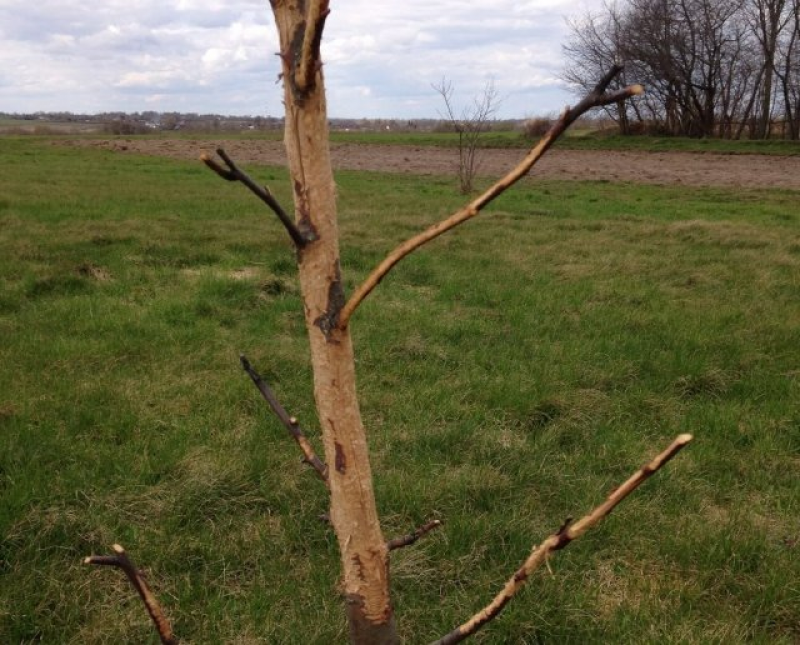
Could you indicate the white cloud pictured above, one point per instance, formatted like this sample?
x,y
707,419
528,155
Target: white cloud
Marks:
x,y
214,56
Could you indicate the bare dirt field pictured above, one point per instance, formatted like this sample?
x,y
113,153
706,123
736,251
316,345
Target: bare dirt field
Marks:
x,y
690,169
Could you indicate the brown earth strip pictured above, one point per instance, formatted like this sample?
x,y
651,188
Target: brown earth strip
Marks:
x,y
690,169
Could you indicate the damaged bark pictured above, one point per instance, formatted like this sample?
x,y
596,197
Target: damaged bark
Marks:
x,y
353,513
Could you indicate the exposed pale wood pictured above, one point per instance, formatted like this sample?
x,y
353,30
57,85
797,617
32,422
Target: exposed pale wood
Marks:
x,y
353,512
559,540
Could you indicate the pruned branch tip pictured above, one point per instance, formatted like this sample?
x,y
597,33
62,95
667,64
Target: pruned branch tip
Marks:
x,y
122,561
234,173
560,539
407,540
292,425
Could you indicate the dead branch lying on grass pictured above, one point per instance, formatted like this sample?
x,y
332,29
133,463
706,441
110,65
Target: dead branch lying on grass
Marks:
x,y
291,423
596,98
122,561
559,540
234,173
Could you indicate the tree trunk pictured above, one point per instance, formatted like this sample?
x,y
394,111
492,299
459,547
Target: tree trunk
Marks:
x,y
353,514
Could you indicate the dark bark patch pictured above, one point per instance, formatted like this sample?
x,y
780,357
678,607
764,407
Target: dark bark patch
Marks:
x,y
563,535
363,630
303,209
327,321
340,461
520,576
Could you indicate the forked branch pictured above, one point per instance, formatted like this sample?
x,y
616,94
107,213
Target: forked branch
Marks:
x,y
122,561
291,423
309,62
234,173
558,540
407,540
596,98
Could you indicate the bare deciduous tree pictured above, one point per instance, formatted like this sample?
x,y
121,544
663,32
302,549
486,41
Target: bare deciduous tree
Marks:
x,y
345,470
712,67
469,123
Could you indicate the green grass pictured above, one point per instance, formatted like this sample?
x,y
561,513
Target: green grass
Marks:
x,y
574,139
578,140
511,374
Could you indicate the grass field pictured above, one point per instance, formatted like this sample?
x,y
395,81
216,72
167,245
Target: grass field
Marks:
x,y
511,375
584,139
574,139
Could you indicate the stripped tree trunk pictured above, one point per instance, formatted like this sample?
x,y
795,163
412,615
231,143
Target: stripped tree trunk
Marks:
x,y
353,514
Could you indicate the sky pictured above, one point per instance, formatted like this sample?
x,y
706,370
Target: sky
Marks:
x,y
212,56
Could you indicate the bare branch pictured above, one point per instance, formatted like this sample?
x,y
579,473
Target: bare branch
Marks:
x,y
291,423
234,173
445,89
558,540
122,561
407,540
595,98
308,65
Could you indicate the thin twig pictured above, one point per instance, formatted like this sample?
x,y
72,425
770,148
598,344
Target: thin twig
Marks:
x,y
309,54
558,540
291,423
407,540
596,98
122,561
234,173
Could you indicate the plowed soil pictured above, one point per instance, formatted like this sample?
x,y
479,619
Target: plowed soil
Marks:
x,y
690,169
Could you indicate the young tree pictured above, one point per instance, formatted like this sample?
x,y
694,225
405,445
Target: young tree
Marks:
x,y
472,121
364,551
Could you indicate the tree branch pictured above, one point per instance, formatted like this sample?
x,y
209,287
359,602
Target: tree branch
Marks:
x,y
596,98
407,540
559,540
308,64
291,423
122,561
234,173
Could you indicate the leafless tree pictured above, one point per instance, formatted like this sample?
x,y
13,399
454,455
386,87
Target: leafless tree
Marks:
x,y
768,20
712,67
345,469
469,123
598,43
788,73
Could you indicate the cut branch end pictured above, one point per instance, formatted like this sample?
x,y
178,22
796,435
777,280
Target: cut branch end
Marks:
x,y
407,540
122,561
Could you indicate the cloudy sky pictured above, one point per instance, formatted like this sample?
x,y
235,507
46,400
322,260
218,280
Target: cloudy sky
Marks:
x,y
216,56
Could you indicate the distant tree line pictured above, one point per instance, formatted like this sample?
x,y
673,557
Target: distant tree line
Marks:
x,y
727,68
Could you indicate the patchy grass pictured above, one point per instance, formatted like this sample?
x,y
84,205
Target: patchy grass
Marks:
x,y
511,374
